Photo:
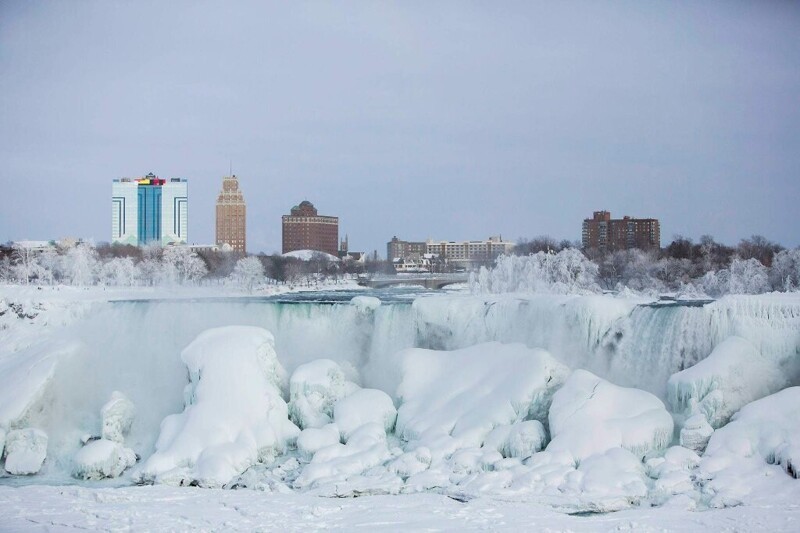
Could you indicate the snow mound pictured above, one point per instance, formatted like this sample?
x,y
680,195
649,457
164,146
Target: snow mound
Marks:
x,y
26,450
365,304
365,449
608,481
311,440
590,416
519,440
733,375
466,393
102,458
314,388
309,255
235,415
118,415
363,407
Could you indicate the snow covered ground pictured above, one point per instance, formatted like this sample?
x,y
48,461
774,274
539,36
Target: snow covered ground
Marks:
x,y
160,508
578,412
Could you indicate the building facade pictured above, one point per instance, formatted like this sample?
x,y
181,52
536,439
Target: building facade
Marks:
x,y
457,254
231,216
305,229
149,210
604,233
397,249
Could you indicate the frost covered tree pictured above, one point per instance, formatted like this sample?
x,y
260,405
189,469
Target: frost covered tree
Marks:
x,y
51,265
6,270
565,272
182,265
785,272
26,263
81,265
248,271
120,271
745,276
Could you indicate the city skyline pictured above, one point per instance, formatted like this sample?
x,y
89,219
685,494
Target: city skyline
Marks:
x,y
461,120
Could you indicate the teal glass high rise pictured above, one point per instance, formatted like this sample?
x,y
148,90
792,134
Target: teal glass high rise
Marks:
x,y
149,210
149,213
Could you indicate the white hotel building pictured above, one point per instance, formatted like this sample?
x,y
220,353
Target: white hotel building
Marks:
x,y
149,209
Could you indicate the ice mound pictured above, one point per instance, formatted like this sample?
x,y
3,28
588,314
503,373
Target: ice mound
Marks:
x,y
590,416
695,432
107,456
607,481
363,407
314,388
234,416
311,440
672,473
765,430
466,393
118,415
734,375
365,304
336,464
517,440
26,376
102,458
26,450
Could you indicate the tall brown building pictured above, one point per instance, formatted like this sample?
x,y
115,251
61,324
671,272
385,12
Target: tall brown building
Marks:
x,y
304,229
604,233
231,215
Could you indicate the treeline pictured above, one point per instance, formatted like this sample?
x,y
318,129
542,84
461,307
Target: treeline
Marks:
x,y
755,265
83,264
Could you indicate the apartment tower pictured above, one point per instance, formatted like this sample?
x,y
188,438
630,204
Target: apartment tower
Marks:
x,y
604,233
305,229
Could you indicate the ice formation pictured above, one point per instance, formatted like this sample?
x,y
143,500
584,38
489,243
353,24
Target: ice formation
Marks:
x,y
590,416
26,377
26,450
118,415
472,420
235,415
311,440
363,407
695,432
366,448
107,456
520,440
767,430
102,458
314,388
466,393
365,304
732,376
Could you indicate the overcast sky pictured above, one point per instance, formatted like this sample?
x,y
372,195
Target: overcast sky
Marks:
x,y
418,119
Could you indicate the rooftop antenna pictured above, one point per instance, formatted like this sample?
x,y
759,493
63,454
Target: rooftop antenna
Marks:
x,y
230,168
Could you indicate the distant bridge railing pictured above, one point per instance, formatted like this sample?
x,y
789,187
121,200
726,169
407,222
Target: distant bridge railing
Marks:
x,y
429,281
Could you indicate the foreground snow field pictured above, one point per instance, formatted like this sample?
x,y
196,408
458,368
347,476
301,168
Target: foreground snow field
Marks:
x,y
160,508
451,412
